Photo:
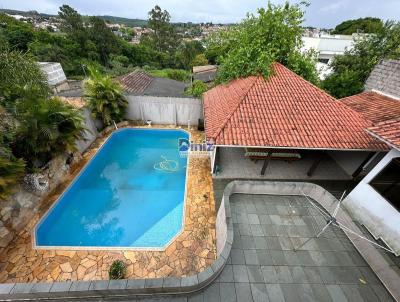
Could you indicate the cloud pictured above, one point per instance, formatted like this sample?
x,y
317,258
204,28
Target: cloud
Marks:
x,y
321,13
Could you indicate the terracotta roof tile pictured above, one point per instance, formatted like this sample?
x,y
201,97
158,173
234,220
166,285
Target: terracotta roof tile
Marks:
x,y
387,131
135,82
373,106
283,111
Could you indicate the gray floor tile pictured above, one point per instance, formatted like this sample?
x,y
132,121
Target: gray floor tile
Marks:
x,y
264,219
269,274
275,293
352,293
248,242
240,273
255,274
250,257
283,274
321,293
278,257
273,243
291,292
336,293
256,230
259,292
237,256
243,292
367,293
211,293
298,274
244,229
196,298
226,274
312,274
260,243
227,292
286,243
264,257
253,218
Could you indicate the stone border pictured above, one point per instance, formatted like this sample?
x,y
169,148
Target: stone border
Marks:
x,y
130,287
224,235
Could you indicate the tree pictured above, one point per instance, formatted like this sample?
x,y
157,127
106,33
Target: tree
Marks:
x,y
20,77
104,39
361,25
197,89
274,34
105,97
186,53
46,128
199,60
163,38
72,24
15,33
351,70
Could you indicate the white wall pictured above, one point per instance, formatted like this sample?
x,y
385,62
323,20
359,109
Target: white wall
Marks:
x,y
348,161
164,110
54,72
372,210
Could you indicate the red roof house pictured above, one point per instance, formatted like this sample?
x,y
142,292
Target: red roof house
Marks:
x,y
283,111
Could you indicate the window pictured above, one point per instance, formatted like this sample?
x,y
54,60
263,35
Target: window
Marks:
x,y
325,61
387,183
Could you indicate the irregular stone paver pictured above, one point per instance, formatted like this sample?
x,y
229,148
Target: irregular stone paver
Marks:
x,y
191,252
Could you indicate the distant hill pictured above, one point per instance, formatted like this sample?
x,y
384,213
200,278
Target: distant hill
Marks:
x,y
110,19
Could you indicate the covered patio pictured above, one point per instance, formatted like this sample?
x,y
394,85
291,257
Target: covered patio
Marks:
x,y
285,128
314,165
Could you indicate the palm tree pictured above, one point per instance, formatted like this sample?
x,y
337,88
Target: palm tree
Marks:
x,y
105,97
46,127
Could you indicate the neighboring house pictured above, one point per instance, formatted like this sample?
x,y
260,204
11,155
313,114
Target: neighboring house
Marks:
x,y
163,101
206,73
55,76
375,201
140,83
297,130
327,47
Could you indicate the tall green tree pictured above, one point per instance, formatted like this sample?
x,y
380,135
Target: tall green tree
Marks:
x,y
366,25
273,34
105,97
72,24
104,39
351,70
163,37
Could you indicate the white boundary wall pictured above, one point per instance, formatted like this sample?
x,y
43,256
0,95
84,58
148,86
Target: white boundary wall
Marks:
x,y
372,210
165,110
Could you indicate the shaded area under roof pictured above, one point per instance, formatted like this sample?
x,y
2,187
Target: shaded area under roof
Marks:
x,y
284,111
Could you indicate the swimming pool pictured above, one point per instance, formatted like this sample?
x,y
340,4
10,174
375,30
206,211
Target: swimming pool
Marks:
x,y
130,195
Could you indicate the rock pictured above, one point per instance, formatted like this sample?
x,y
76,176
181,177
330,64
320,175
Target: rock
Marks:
x,y
5,236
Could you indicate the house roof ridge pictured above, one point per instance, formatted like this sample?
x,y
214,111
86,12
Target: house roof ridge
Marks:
x,y
218,131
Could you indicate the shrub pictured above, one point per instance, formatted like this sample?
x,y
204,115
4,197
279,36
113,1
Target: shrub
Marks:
x,y
177,74
46,127
105,97
197,89
117,270
200,60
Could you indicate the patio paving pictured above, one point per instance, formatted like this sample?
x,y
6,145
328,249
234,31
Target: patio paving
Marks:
x,y
191,252
264,267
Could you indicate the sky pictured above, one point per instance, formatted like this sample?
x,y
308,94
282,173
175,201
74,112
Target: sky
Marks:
x,y
320,13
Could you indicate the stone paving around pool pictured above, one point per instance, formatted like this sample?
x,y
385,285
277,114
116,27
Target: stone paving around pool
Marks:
x,y
191,252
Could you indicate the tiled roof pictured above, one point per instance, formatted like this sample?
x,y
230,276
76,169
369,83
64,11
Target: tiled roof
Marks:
x,y
385,77
388,131
283,111
135,82
373,106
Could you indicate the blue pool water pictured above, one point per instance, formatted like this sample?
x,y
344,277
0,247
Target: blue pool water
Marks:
x,y
123,197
